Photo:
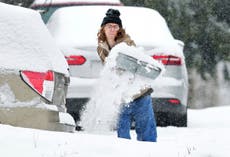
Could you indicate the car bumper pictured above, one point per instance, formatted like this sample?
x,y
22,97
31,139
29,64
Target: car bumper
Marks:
x,y
168,114
163,105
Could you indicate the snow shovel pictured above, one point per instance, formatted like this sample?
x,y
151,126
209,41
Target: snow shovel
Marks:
x,y
136,66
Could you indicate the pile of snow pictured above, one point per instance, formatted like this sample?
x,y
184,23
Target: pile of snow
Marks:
x,y
25,42
113,89
207,135
135,52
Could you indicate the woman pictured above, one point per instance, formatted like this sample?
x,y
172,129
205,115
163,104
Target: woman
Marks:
x,y
140,109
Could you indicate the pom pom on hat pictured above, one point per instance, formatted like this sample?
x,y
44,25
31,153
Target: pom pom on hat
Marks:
x,y
112,16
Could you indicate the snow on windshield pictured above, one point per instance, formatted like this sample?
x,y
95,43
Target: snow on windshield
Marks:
x,y
78,26
26,43
71,29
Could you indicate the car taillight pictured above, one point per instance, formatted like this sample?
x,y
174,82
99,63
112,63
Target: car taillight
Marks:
x,y
75,60
40,82
174,101
168,59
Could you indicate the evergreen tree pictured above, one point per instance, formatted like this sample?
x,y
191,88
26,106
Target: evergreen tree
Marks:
x,y
23,3
222,10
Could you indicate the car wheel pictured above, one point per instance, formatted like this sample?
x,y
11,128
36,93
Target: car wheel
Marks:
x,y
74,108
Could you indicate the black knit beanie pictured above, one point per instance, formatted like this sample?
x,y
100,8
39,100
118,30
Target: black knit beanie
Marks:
x,y
112,16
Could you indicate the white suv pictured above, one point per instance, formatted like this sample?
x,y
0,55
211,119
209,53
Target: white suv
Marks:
x,y
75,30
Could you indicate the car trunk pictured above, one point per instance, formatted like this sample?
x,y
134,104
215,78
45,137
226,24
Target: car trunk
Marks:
x,y
22,89
89,68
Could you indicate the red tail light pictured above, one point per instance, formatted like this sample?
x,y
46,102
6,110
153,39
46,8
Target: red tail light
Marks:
x,y
168,59
49,76
174,101
75,60
42,83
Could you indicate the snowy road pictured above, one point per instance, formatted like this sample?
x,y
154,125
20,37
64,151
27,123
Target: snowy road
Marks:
x,y
207,135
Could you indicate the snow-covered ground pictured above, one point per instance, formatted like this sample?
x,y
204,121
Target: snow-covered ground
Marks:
x,y
207,135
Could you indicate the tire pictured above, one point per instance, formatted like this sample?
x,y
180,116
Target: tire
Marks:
x,y
74,108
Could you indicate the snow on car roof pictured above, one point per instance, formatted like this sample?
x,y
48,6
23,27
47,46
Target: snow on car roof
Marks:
x,y
85,21
57,2
25,39
78,26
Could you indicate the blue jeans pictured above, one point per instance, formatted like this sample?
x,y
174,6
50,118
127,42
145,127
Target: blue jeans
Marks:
x,y
141,111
